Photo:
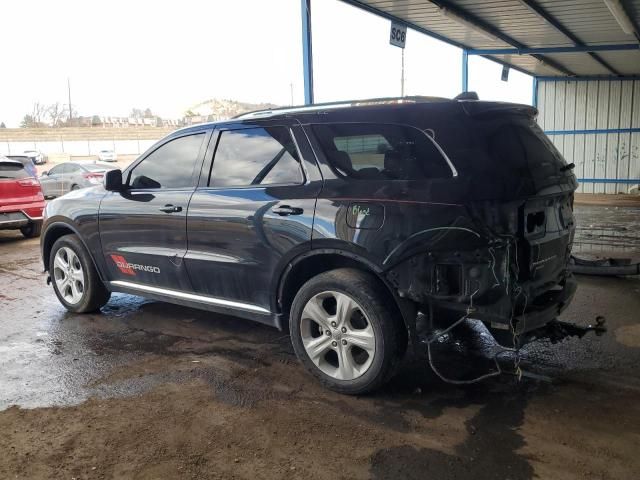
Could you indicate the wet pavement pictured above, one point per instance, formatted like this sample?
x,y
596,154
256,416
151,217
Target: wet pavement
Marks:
x,y
146,389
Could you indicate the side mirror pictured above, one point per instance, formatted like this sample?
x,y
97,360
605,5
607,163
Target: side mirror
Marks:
x,y
113,181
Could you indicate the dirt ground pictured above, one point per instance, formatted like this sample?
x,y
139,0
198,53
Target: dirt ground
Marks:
x,y
149,390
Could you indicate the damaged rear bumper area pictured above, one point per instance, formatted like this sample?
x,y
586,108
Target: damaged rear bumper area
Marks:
x,y
514,283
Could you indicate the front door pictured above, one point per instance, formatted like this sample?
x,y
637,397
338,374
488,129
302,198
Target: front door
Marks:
x,y
143,228
52,182
253,214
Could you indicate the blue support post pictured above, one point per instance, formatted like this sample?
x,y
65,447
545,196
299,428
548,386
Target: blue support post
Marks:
x,y
465,71
534,98
307,55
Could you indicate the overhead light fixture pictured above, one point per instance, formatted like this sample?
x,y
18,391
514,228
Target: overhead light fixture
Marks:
x,y
470,25
618,12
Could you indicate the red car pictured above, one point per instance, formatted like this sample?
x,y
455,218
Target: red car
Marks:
x,y
21,199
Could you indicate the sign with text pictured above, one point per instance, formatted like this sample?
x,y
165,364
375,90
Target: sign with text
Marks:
x,y
398,34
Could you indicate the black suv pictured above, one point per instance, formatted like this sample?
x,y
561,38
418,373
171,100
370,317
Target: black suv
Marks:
x,y
364,225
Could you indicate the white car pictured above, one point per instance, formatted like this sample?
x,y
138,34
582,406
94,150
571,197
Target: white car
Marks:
x,y
107,156
36,157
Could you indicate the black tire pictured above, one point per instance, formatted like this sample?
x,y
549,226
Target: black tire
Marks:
x,y
95,295
32,230
376,303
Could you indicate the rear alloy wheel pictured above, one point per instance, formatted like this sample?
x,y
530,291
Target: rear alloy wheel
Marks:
x,y
337,335
74,277
344,332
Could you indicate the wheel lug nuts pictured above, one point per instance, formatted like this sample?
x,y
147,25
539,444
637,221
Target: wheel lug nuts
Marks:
x,y
344,342
334,343
334,324
344,329
328,333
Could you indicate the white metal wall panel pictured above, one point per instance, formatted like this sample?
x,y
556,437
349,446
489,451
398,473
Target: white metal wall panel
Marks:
x,y
590,140
626,107
608,107
634,149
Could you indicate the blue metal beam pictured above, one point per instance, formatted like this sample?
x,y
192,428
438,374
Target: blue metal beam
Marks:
x,y
630,181
472,19
465,71
307,54
586,78
592,132
542,50
555,23
429,33
534,99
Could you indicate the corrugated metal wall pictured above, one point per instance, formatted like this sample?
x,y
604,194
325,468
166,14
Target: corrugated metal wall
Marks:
x,y
596,125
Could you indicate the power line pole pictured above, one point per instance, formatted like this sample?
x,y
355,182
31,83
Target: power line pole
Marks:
x,y
402,76
69,91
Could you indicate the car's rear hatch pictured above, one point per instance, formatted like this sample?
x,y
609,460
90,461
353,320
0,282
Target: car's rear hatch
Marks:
x,y
518,172
18,190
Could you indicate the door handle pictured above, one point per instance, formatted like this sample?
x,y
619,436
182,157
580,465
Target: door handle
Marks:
x,y
170,209
285,210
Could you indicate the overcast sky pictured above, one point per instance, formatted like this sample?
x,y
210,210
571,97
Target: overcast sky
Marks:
x,y
169,55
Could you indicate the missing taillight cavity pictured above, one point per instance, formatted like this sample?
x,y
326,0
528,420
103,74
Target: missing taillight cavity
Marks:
x,y
535,220
448,279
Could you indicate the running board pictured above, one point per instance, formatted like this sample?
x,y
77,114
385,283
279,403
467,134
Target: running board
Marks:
x,y
248,307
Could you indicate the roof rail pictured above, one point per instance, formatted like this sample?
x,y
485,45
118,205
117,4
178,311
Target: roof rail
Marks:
x,y
341,103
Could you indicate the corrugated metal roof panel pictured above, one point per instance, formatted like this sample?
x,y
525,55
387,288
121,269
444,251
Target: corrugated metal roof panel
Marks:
x,y
588,20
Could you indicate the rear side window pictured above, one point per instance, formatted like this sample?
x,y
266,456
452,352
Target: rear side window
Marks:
x,y
10,170
169,166
381,152
256,156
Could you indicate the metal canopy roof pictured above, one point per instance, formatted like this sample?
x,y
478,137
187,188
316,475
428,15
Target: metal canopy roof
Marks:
x,y
538,37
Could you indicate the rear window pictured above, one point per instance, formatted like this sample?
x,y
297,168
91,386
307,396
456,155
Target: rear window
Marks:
x,y
93,167
381,152
10,170
511,156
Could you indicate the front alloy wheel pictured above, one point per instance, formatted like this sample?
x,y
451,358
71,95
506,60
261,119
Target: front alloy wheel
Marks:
x,y
75,280
68,275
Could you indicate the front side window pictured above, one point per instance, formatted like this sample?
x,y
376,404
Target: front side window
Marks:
x,y
169,166
256,156
381,152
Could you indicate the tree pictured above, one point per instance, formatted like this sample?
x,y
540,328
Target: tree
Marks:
x,y
57,114
148,113
2,125
95,120
35,119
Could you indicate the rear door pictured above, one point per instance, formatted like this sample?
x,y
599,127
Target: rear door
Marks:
x,y
143,228
252,213
69,178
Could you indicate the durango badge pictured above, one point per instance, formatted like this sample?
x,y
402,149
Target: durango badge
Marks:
x,y
130,268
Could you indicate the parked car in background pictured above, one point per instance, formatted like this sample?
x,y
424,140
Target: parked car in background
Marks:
x,y
72,176
36,156
21,199
26,162
107,156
